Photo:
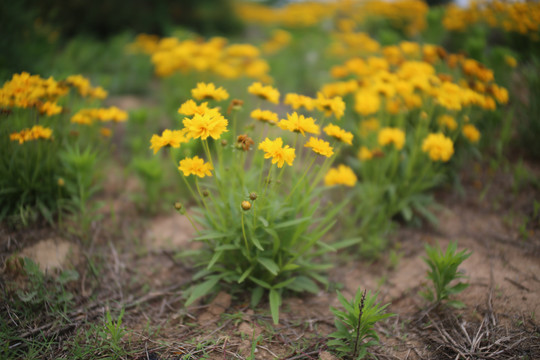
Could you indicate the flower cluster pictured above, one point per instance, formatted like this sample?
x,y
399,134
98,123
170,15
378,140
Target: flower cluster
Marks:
x,y
342,175
519,17
26,91
392,136
33,91
171,55
280,39
408,15
34,133
89,116
438,146
258,229
267,93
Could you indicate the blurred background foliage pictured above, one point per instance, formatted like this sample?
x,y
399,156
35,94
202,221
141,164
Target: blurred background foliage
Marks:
x,y
38,28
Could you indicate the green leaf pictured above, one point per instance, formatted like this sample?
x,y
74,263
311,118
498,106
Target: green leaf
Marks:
x,y
303,283
275,303
226,247
456,304
257,243
407,213
263,220
260,282
458,288
270,265
427,214
67,276
256,296
284,283
346,243
28,296
291,222
245,274
212,235
289,267
214,258
201,290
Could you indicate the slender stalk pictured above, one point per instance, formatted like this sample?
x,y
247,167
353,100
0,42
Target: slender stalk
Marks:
x,y
358,325
185,213
221,218
268,179
207,150
300,180
204,203
193,195
234,125
245,237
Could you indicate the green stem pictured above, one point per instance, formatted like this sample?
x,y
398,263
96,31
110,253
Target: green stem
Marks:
x,y
204,203
191,191
245,237
268,179
185,213
300,180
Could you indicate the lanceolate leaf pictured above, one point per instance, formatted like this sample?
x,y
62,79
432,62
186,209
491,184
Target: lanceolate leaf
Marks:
x,y
275,303
202,289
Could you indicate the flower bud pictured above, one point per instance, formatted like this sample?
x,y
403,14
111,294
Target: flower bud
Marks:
x,y
246,205
253,196
205,193
178,206
61,182
223,142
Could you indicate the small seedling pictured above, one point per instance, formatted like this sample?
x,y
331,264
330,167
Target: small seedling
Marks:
x,y
443,271
355,333
113,331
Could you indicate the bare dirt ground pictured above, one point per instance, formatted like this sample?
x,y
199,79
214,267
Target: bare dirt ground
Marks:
x,y
140,271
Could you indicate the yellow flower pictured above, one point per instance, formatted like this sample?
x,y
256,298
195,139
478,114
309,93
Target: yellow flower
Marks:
x,y
81,83
338,133
369,125
105,132
448,121
50,108
342,175
390,135
265,116
209,91
35,133
21,137
366,102
510,61
471,133
212,123
98,93
112,114
195,166
299,123
365,154
190,108
168,138
438,147
275,150
267,93
320,146
330,106
297,101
